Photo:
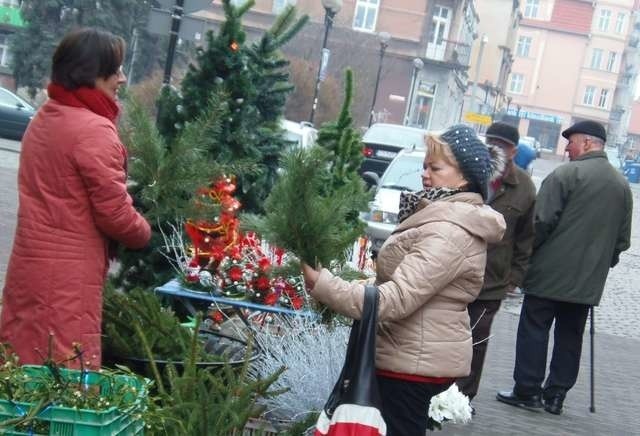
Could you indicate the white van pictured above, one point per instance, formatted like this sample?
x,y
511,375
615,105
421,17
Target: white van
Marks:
x,y
303,134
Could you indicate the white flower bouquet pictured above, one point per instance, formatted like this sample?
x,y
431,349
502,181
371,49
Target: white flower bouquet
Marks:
x,y
449,406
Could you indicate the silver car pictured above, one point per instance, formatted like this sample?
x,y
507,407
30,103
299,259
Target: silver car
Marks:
x,y
402,174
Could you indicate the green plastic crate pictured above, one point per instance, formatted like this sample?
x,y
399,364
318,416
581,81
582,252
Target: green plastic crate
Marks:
x,y
65,421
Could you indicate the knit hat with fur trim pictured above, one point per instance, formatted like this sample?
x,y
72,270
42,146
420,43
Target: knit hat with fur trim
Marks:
x,y
480,164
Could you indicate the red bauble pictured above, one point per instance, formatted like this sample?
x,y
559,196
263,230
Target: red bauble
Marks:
x,y
264,264
235,273
271,299
262,283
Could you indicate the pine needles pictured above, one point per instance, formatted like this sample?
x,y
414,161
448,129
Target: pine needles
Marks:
x,y
303,215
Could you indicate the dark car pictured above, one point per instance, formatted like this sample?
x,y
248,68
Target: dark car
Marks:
x,y
15,114
383,142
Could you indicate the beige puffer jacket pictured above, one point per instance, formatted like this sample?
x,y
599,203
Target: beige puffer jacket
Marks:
x,y
428,270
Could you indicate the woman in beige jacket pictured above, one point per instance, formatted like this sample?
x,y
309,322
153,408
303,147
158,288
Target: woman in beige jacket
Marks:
x,y
428,270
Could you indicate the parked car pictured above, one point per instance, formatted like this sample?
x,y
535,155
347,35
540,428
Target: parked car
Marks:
x,y
402,174
613,154
303,134
15,115
382,143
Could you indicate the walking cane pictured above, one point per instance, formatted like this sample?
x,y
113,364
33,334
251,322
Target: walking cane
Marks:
x,y
592,331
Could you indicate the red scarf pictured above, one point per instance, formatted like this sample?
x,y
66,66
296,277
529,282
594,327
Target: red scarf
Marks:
x,y
90,98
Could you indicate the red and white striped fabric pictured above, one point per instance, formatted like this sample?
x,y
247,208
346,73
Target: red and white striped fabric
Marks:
x,y
351,420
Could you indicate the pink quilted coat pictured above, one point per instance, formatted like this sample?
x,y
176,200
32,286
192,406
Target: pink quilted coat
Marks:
x,y
73,201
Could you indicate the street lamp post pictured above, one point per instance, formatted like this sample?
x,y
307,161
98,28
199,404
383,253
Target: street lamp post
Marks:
x,y
176,18
474,106
508,104
384,38
418,64
331,8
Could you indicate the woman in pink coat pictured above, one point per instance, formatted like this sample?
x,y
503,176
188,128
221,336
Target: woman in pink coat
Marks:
x,y
73,206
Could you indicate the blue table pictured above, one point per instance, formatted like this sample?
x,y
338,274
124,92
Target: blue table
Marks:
x,y
184,295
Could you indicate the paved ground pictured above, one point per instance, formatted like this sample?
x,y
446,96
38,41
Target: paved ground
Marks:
x,y
617,345
616,387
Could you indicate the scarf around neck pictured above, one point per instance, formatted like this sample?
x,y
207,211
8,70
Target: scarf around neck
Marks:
x,y
89,98
409,200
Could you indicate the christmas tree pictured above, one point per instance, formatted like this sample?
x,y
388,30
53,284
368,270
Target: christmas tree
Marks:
x,y
313,207
343,141
164,181
46,22
254,81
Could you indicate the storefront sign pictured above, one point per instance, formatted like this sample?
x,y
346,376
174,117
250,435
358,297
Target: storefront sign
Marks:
x,y
534,116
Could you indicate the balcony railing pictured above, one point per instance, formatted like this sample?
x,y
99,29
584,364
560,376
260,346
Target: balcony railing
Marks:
x,y
449,51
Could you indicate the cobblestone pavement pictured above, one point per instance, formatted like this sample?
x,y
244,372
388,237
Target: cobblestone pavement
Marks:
x,y
616,391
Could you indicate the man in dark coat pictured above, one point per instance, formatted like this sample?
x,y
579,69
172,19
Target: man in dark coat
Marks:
x,y
507,260
582,224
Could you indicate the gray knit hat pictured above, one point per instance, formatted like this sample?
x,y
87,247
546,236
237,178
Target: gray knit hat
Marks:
x,y
479,164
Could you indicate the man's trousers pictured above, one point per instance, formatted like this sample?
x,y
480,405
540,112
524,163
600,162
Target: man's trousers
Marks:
x,y
536,318
481,314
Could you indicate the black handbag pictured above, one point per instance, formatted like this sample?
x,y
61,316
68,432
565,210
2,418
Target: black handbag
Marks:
x,y
353,408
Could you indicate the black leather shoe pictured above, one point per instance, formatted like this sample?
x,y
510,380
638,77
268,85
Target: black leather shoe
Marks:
x,y
554,404
529,402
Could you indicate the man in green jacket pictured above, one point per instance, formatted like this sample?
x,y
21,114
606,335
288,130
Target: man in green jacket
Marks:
x,y
514,197
582,224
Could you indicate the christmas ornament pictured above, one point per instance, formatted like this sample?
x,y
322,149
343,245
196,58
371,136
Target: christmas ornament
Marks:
x,y
192,273
212,240
205,278
234,279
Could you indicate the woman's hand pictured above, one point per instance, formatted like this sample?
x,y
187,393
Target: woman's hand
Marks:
x,y
310,276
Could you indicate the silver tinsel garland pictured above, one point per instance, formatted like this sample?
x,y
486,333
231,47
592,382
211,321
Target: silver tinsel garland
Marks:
x,y
313,355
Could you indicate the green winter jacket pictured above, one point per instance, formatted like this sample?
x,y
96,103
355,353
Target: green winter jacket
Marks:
x,y
582,224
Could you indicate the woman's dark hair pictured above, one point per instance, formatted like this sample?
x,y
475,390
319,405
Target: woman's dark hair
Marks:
x,y
85,55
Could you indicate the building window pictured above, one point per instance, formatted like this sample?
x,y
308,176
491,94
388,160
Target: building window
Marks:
x,y
524,44
603,21
531,8
620,22
438,33
604,95
596,58
589,93
517,83
611,62
279,5
5,54
366,15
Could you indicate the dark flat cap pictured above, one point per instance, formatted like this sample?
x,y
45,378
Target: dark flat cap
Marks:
x,y
504,132
587,127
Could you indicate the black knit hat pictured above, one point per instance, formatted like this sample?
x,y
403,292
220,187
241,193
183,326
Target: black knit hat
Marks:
x,y
478,163
588,128
504,132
